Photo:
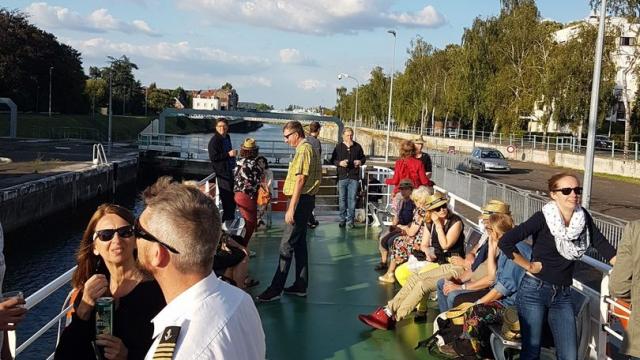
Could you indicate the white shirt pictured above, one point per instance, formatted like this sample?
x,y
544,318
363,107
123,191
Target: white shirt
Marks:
x,y
217,321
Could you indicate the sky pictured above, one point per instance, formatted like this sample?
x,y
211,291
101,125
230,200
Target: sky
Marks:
x,y
278,52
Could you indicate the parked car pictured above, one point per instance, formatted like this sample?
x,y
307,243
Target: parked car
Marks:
x,y
603,142
488,159
452,133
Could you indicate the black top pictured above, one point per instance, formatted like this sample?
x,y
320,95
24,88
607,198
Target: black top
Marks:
x,y
426,161
555,269
219,157
344,152
131,323
456,248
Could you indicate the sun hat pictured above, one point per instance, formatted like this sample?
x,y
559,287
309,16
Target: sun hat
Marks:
x,y
405,183
495,207
249,144
436,200
418,140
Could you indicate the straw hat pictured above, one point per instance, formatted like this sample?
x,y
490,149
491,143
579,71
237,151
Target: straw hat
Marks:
x,y
405,183
456,314
249,144
418,140
510,324
495,207
436,200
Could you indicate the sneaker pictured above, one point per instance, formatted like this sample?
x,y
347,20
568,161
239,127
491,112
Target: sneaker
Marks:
x,y
296,290
378,320
269,295
387,278
342,224
420,317
350,225
313,224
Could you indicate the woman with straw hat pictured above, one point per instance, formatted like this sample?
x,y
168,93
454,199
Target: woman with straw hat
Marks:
x,y
247,178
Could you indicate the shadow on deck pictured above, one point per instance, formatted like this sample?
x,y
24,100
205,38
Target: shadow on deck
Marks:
x,y
343,284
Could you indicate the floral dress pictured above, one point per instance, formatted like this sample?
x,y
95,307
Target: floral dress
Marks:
x,y
247,177
405,244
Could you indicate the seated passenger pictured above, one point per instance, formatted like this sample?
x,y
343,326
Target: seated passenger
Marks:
x,y
401,222
475,278
444,240
107,267
410,239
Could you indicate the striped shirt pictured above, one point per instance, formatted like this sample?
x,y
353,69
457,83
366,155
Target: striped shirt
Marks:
x,y
305,162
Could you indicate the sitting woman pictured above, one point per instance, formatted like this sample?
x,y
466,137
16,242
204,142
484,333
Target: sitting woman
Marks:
x,y
444,240
410,238
107,267
231,262
475,279
401,222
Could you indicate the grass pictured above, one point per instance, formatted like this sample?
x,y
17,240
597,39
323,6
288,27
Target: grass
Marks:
x,y
84,126
626,179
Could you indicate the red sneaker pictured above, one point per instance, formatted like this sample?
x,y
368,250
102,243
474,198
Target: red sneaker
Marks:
x,y
378,320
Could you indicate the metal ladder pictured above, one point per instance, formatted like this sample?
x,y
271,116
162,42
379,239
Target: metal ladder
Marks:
x,y
99,156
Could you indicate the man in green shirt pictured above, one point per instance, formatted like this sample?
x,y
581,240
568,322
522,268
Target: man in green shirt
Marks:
x,y
301,185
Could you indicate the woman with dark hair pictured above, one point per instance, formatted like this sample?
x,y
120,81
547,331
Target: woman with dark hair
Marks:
x,y
247,176
561,233
107,267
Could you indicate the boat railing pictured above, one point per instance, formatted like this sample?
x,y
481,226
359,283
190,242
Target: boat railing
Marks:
x,y
604,328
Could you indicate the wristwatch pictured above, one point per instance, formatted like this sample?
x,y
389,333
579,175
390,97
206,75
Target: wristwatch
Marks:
x,y
464,286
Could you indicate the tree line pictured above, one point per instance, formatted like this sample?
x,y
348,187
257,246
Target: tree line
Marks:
x,y
505,67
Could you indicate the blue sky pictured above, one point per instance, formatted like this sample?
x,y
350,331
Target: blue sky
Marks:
x,y
278,52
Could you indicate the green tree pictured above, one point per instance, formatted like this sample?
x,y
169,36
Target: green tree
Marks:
x,y
227,86
95,89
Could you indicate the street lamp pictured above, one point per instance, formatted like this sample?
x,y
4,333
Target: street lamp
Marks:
x,y
355,117
110,112
386,153
50,75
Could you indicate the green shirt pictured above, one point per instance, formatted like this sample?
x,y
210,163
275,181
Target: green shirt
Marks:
x,y
305,162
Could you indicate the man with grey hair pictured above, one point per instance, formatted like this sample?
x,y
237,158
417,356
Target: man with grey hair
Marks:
x,y
205,318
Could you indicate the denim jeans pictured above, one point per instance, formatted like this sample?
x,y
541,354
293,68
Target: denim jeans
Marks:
x,y
294,244
347,189
539,301
445,302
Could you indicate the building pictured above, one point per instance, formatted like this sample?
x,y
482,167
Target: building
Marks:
x,y
626,58
219,99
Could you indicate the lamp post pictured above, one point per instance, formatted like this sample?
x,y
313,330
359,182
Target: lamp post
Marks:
x,y
50,76
386,153
355,116
593,110
110,113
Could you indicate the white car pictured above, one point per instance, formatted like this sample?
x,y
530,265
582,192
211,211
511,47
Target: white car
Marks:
x,y
488,159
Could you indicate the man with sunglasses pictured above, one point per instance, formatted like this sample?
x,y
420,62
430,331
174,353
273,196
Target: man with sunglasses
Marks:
x,y
205,318
301,185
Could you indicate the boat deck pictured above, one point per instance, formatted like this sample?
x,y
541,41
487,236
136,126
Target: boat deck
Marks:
x,y
343,284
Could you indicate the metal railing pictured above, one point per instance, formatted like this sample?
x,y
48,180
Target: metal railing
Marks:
x,y
562,143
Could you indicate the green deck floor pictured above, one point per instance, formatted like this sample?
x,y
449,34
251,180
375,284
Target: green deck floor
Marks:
x,y
343,284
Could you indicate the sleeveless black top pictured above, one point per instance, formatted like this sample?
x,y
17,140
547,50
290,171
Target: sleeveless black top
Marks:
x,y
457,248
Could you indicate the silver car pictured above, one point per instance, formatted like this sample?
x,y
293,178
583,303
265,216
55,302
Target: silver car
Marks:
x,y
488,159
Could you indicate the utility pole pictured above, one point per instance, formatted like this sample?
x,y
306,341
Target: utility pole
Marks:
x,y
386,153
110,112
593,111
50,76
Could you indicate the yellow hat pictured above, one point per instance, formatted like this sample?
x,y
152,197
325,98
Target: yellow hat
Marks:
x,y
418,140
436,200
249,144
495,207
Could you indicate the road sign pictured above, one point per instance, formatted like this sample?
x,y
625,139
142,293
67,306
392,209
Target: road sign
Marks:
x,y
511,149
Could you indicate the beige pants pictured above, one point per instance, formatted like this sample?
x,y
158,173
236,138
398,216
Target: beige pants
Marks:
x,y
418,286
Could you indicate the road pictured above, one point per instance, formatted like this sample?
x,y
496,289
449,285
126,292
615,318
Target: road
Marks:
x,y
611,197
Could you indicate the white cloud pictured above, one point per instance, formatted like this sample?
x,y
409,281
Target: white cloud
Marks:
x,y
313,16
293,56
311,84
99,21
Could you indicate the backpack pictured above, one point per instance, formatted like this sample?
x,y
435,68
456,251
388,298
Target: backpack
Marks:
x,y
476,326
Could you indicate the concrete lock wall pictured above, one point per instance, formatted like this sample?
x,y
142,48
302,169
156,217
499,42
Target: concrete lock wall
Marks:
x,y
373,143
34,200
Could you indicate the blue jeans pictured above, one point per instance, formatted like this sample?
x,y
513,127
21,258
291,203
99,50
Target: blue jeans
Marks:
x,y
445,302
347,189
539,301
294,244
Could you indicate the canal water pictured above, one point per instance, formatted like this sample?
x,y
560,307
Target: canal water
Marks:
x,y
39,253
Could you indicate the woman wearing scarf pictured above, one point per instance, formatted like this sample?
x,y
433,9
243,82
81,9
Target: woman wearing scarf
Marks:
x,y
560,234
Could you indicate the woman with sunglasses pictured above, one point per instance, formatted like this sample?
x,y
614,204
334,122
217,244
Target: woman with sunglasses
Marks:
x,y
561,233
107,266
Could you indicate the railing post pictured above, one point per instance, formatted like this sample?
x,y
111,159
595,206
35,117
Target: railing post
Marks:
x,y
613,147
636,151
601,339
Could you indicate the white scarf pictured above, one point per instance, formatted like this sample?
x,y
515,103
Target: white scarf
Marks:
x,y
569,243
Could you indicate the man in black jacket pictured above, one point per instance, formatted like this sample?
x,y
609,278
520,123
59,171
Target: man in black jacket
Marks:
x,y
348,157
223,159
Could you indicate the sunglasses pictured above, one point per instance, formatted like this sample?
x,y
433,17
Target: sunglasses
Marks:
x,y
289,134
140,232
567,191
443,206
108,234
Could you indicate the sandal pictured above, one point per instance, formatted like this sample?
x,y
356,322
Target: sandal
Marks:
x,y
249,283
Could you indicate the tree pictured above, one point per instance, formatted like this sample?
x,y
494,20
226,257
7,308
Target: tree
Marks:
x,y
95,89
227,86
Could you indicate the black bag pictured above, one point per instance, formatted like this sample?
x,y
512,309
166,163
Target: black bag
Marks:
x,y
446,329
